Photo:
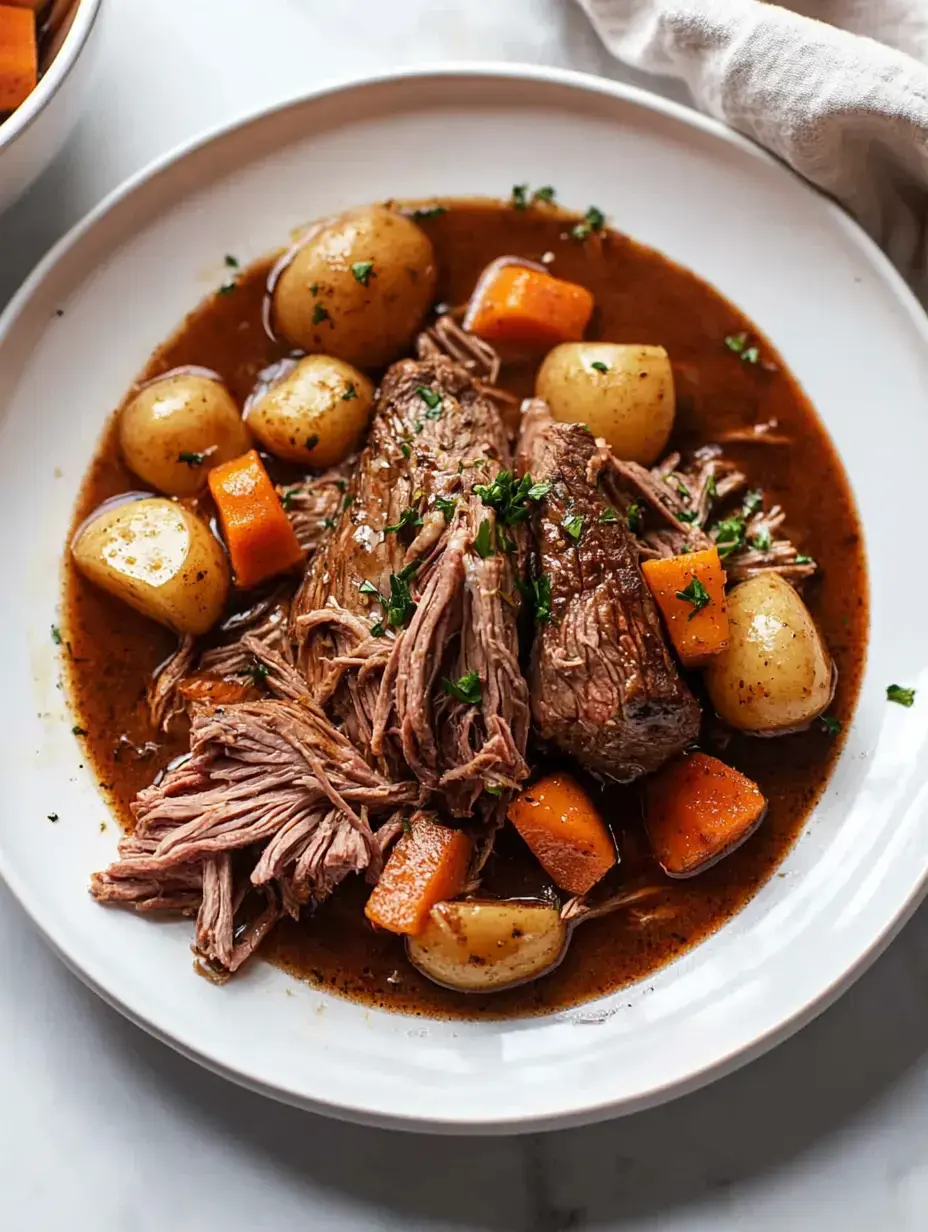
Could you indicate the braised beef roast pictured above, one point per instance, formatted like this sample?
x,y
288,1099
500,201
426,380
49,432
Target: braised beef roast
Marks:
x,y
604,687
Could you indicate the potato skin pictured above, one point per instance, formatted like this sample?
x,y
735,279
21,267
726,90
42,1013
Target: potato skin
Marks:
x,y
160,559
484,945
314,414
630,404
776,675
320,305
181,413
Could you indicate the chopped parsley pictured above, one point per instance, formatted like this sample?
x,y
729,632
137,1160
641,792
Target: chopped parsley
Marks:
x,y
573,526
545,193
519,198
762,541
56,635
350,392
314,288
608,515
431,399
830,724
328,523
538,592
428,211
736,342
538,491
898,693
739,344
802,559
493,789
688,515
753,501
483,540
711,490
679,487
229,285
634,517
348,501
258,671
409,517
286,497
467,689
751,355
599,365
231,262
593,222
445,505
192,459
728,535
510,499
377,629
368,588
52,816
362,271
400,606
77,730
695,594
320,314
405,450
311,441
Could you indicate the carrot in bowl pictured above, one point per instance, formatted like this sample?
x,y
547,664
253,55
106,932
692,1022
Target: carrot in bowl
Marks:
x,y
690,592
563,829
257,532
697,810
19,57
524,306
427,866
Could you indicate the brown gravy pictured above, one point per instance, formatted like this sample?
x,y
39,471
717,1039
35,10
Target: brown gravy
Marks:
x,y
640,297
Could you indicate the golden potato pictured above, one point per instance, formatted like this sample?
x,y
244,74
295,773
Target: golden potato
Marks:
x,y
315,414
358,288
483,945
177,428
621,392
776,675
160,559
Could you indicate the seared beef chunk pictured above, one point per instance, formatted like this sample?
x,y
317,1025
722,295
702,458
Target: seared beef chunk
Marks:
x,y
416,589
603,685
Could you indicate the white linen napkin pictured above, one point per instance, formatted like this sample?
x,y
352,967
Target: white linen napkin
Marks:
x,y
836,88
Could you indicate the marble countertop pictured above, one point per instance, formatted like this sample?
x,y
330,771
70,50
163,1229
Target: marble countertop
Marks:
x,y
104,1127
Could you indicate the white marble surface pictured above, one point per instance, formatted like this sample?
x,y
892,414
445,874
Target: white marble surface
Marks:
x,y
105,1128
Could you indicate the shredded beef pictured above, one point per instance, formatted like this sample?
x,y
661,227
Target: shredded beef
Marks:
x,y
604,687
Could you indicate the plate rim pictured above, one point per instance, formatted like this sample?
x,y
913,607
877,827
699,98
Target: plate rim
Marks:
x,y
591,1111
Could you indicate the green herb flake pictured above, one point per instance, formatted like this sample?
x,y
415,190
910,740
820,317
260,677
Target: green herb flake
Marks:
x,y
762,541
538,491
348,501
431,399
509,498
593,222
573,526
52,816
802,559
541,598
328,523
736,342
286,497
377,629
367,587
409,517
519,198
711,489
901,695
229,285
634,517
493,789
483,540
362,271
231,262
546,193
77,730
467,689
191,459
350,392
608,515
599,365
728,535
695,594
258,671
311,441
56,635
400,605
688,515
751,355
405,450
830,724
429,211
314,288
753,502
445,505
320,314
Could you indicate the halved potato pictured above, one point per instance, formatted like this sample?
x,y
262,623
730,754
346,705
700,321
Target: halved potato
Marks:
x,y
481,945
160,559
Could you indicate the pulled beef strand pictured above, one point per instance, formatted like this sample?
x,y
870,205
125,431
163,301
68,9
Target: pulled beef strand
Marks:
x,y
604,687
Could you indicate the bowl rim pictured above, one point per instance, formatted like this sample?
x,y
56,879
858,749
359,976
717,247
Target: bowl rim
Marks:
x,y
48,86
589,1111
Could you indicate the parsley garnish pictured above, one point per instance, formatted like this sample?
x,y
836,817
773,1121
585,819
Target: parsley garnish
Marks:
x,y
593,221
573,526
362,271
830,724
348,501
898,693
802,559
466,690
753,501
367,587
312,441
192,459
729,535
258,672
377,629
405,450
599,365
696,594
409,517
545,193
762,540
483,540
751,355
510,499
320,314
538,592
328,523
231,261
286,497
350,392
52,816
429,211
736,342
493,789
400,606
431,399
679,486
634,517
538,491
688,515
56,635
711,490
445,505
518,200
609,515
229,285
314,288
77,730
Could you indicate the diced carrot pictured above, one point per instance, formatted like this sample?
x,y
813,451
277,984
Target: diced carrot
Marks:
x,y
567,836
697,810
427,866
526,307
257,532
213,689
690,592
19,57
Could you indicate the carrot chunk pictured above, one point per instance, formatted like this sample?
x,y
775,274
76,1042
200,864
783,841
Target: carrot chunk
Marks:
x,y
564,831
697,810
427,866
526,307
19,57
690,592
257,532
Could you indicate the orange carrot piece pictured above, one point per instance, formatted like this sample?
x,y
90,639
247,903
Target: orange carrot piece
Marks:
x,y
257,532
563,829
697,810
213,689
526,307
19,56
690,592
427,866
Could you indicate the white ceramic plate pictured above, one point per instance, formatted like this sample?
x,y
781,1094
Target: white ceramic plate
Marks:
x,y
845,324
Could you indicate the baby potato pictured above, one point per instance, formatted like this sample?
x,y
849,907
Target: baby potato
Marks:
x,y
358,288
776,675
177,428
160,559
482,945
621,392
315,414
